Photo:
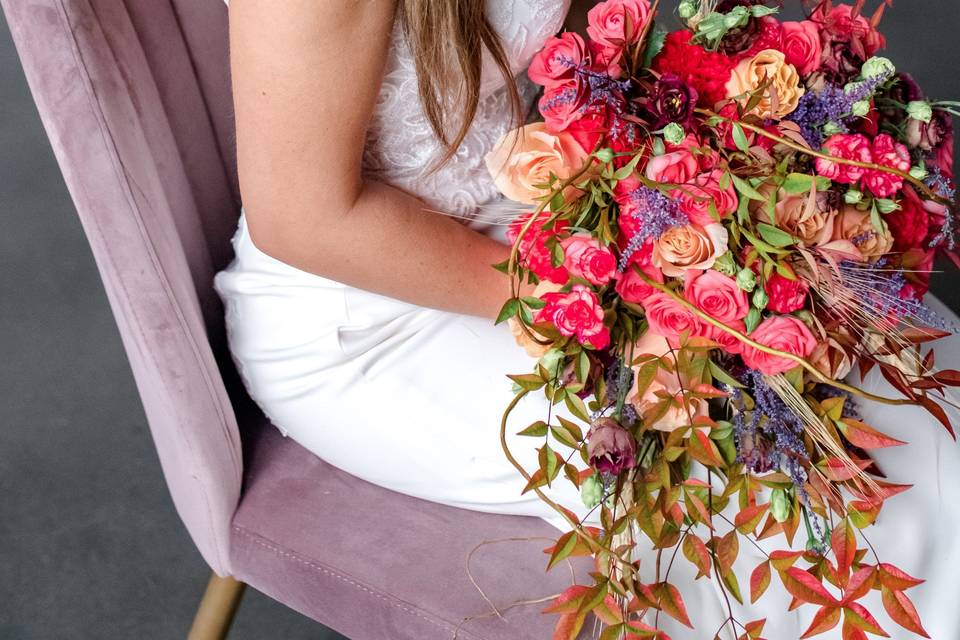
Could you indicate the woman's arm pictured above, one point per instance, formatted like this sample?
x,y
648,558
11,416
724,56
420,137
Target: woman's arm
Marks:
x,y
306,76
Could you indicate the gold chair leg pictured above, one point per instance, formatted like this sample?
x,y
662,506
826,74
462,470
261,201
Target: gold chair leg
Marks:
x,y
217,608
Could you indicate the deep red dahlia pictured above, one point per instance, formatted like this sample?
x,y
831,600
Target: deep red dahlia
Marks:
x,y
705,71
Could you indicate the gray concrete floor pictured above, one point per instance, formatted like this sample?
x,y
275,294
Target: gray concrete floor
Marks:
x,y
90,546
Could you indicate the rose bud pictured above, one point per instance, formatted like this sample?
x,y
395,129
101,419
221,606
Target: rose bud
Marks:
x,y
610,448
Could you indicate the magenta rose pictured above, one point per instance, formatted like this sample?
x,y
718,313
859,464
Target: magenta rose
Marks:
x,y
785,295
558,60
577,313
849,147
615,24
696,196
668,318
889,153
585,257
676,167
716,295
610,448
802,46
783,333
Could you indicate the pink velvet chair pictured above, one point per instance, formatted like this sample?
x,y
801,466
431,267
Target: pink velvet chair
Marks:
x,y
135,97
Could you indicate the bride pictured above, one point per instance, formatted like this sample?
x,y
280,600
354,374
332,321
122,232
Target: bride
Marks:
x,y
362,325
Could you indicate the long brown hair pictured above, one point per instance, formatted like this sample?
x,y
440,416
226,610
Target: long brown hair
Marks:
x,y
447,39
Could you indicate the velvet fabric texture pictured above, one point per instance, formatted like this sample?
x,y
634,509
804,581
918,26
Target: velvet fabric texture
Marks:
x,y
135,98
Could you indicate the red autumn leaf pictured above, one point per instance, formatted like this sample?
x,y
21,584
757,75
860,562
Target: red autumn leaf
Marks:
x,y
850,632
637,630
845,548
866,437
860,584
949,377
695,507
837,470
825,619
901,610
703,450
937,412
696,552
569,600
804,586
783,560
608,611
747,520
919,335
895,579
569,626
671,602
755,628
759,580
857,615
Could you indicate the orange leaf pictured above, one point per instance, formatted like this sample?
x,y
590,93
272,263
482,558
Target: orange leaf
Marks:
x,y
837,470
728,548
901,609
804,586
671,602
569,626
864,436
860,584
759,580
857,615
703,450
569,600
747,520
845,548
895,579
783,560
825,619
608,611
696,552
850,632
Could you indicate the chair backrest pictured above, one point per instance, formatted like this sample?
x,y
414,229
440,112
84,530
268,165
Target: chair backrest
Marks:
x,y
135,97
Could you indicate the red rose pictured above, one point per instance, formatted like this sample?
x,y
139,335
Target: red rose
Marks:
x,y
630,286
563,104
716,295
786,295
888,153
849,147
783,333
577,313
558,60
910,224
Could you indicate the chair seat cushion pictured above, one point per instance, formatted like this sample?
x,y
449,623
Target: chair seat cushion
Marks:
x,y
373,564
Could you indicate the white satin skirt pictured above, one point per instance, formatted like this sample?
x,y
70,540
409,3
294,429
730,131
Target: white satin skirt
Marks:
x,y
411,399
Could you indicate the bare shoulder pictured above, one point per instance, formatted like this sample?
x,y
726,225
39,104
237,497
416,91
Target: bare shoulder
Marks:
x,y
305,77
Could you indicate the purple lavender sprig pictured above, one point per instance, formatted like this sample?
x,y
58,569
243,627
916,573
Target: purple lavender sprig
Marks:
x,y
656,213
832,105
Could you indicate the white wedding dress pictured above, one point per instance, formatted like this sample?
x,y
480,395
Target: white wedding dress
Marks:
x,y
411,398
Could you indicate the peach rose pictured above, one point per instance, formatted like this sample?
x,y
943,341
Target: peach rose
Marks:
x,y
812,224
781,97
668,318
664,383
524,158
783,333
689,247
857,227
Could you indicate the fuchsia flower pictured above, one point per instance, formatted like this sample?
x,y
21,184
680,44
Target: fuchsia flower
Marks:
x,y
889,153
783,333
586,258
577,313
849,147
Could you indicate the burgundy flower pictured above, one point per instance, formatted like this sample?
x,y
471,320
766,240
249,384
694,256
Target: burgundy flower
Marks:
x,y
930,136
610,447
672,100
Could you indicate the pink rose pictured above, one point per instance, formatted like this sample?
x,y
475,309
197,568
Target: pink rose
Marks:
x,y
676,167
783,333
729,343
785,295
534,252
558,60
716,295
585,257
802,46
562,105
615,24
525,158
889,153
577,313
696,196
630,286
668,318
841,23
849,147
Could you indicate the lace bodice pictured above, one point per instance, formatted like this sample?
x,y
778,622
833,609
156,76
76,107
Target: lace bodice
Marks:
x,y
400,144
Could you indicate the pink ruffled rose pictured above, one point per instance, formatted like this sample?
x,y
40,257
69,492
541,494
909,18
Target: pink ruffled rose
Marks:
x,y
785,295
696,196
577,313
585,257
534,252
668,318
615,24
676,167
558,59
889,153
783,333
716,295
849,147
802,46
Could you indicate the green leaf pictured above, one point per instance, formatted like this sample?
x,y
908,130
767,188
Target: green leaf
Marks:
x,y
746,189
774,236
530,381
796,183
534,302
576,406
720,374
740,138
655,41
537,430
509,310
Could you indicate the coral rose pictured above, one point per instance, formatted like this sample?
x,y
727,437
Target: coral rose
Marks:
x,y
669,318
695,198
689,247
585,257
857,227
675,167
631,287
783,333
577,313
521,165
558,60
849,147
615,24
888,153
768,65
802,46
716,295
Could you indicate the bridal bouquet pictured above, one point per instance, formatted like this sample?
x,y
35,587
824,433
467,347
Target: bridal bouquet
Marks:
x,y
725,222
